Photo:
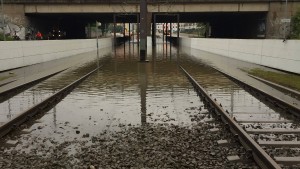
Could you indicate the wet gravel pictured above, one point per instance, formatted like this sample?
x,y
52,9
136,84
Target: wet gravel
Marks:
x,y
153,145
163,142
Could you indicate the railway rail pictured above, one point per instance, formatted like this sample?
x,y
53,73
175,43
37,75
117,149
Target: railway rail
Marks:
x,y
43,106
249,132
5,95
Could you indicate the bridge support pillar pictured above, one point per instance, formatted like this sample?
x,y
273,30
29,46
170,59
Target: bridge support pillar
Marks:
x,y
143,30
154,31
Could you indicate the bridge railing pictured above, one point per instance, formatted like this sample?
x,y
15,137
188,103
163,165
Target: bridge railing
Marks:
x,y
132,1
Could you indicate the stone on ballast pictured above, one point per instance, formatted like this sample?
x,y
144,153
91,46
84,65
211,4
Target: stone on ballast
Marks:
x,y
222,142
233,158
214,130
12,142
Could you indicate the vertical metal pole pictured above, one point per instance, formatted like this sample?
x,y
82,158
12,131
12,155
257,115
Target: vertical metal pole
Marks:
x,y
143,31
171,29
133,33
115,36
163,31
124,34
3,22
129,35
178,29
138,31
129,32
166,41
166,33
97,44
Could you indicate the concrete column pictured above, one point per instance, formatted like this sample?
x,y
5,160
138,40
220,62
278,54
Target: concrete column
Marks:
x,y
274,27
149,22
154,31
143,31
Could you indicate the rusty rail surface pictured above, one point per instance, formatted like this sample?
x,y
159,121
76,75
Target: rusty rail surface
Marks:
x,y
42,106
260,156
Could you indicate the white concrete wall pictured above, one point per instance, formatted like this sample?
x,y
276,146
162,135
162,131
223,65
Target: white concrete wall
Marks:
x,y
267,52
14,54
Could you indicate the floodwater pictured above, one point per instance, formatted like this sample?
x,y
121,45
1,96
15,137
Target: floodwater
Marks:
x,y
37,93
125,94
128,92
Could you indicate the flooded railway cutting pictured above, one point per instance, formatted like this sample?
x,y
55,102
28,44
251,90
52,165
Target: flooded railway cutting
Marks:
x,y
130,114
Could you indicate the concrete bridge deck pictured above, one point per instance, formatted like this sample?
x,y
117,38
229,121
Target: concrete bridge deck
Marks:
x,y
228,16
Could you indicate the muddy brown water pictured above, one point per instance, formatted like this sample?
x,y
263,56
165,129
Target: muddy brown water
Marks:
x,y
123,94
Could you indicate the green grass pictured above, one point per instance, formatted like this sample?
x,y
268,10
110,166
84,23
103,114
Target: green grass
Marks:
x,y
8,38
6,77
288,80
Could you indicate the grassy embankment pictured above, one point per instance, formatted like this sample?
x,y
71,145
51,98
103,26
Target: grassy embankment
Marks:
x,y
5,77
288,80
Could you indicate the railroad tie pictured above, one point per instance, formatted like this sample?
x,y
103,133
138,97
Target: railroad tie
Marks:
x,y
277,131
287,160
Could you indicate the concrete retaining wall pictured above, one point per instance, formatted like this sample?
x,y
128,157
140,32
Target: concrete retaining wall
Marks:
x,y
272,53
14,54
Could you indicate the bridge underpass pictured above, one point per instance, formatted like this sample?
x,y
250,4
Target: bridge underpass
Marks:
x,y
241,25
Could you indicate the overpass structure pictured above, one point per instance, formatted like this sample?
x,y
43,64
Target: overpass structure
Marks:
x,y
228,18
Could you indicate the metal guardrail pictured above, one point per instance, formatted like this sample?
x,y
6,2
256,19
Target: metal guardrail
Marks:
x,y
260,156
49,102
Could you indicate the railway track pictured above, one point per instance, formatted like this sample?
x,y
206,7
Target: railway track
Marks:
x,y
5,95
272,142
42,106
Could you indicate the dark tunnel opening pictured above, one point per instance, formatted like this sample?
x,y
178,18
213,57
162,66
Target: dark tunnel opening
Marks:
x,y
239,25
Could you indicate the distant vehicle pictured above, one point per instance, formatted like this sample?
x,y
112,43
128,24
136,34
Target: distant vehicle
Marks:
x,y
56,34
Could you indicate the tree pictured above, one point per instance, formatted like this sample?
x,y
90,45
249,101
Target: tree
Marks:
x,y
295,34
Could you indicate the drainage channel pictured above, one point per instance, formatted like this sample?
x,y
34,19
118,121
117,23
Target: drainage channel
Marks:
x,y
271,136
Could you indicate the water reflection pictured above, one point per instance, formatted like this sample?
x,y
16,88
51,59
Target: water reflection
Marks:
x,y
126,92
143,88
30,97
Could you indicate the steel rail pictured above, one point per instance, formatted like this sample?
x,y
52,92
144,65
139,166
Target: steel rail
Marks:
x,y
5,95
260,156
277,102
40,107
